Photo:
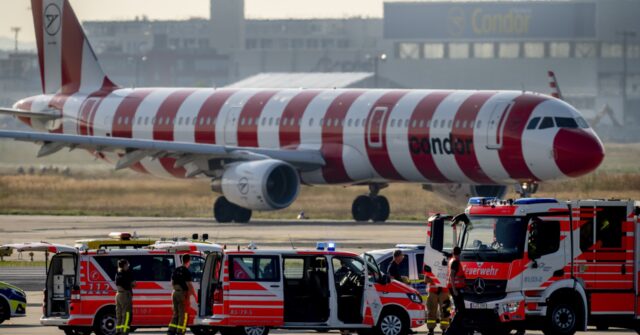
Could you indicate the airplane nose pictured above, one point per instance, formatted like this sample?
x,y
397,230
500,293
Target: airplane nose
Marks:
x,y
577,152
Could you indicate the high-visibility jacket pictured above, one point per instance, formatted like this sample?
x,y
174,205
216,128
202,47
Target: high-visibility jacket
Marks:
x,y
459,279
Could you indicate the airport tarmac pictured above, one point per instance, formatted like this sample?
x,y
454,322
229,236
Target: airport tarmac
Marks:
x,y
348,235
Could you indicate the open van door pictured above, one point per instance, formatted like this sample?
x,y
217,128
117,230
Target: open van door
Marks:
x,y
372,305
211,282
441,237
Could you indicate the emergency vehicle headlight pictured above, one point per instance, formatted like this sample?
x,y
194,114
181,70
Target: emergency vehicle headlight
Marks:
x,y
415,298
331,246
320,246
510,307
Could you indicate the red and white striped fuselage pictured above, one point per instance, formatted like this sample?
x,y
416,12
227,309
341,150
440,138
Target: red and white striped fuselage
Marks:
x,y
425,136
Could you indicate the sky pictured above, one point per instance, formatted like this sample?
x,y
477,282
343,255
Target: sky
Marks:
x,y
16,13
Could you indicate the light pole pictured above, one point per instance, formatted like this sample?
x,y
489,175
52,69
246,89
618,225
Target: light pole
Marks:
x,y
16,31
625,37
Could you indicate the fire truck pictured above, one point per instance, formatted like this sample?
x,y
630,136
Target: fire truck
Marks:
x,y
79,294
538,263
247,292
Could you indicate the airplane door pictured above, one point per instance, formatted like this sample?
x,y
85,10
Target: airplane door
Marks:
x,y
209,284
495,127
231,126
375,126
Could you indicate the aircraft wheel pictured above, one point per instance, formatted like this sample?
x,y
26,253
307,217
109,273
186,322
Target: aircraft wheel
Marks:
x,y
223,210
241,215
361,208
381,210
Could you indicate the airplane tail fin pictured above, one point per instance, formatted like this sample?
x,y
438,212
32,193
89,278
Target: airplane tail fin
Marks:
x,y
555,88
68,64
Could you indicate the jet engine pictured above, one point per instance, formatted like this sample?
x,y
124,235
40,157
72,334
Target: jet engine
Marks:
x,y
262,185
459,194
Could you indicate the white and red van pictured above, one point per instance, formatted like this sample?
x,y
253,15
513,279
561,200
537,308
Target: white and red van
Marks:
x,y
79,294
248,292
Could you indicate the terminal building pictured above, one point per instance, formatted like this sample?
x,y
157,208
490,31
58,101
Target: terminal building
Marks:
x,y
593,47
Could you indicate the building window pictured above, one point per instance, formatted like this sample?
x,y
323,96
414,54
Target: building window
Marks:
x,y
534,50
509,50
458,50
633,51
559,49
251,43
408,51
585,50
611,50
433,50
483,50
266,43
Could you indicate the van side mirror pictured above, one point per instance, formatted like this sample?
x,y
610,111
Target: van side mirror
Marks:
x,y
426,268
384,279
437,234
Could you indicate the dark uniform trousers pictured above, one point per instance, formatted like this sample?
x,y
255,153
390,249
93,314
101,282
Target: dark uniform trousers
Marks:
x,y
178,325
124,308
457,325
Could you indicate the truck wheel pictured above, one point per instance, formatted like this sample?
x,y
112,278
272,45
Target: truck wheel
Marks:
x,y
5,311
204,330
77,331
562,319
392,323
105,323
252,330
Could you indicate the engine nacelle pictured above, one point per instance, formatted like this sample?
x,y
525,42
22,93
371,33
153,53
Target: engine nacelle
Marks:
x,y
262,185
459,194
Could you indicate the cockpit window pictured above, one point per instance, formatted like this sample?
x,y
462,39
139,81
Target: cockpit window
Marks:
x,y
533,124
582,123
566,122
546,123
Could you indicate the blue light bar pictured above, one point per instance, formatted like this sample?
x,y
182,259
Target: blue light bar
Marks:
x,y
320,246
534,201
480,200
331,246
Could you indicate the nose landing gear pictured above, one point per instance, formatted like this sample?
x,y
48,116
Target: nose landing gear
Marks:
x,y
372,207
526,189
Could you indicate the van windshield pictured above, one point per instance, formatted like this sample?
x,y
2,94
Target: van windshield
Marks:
x,y
494,238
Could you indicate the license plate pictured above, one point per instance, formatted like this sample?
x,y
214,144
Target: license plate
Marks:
x,y
478,306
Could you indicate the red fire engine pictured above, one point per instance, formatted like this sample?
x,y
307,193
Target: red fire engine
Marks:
x,y
543,264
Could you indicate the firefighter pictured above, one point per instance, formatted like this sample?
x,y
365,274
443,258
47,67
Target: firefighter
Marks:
x,y
438,300
182,290
456,285
124,297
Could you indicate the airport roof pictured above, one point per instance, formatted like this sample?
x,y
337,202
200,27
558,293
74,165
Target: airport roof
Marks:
x,y
303,80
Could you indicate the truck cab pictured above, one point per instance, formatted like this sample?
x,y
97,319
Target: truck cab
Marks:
x,y
249,292
538,263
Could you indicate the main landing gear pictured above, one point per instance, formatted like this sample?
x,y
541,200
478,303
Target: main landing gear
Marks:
x,y
224,211
372,207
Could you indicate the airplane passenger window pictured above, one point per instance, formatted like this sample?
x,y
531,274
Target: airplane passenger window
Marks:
x,y
299,122
201,121
153,120
195,120
173,121
464,124
146,120
321,122
277,121
393,123
449,124
310,122
119,119
126,120
533,124
264,121
208,121
442,123
546,123
414,123
406,123
341,122
241,121
285,121
566,122
421,124
427,123
270,121
349,123
139,120
357,123
336,122
477,125
457,125
180,121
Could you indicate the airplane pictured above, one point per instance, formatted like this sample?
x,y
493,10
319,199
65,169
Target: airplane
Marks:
x,y
258,146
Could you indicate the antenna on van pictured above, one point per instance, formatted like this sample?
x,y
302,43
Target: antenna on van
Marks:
x,y
291,241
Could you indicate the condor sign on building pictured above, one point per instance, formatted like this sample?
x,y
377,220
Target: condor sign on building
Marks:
x,y
497,44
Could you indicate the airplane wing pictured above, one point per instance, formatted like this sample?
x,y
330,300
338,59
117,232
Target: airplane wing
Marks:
x,y
134,150
48,114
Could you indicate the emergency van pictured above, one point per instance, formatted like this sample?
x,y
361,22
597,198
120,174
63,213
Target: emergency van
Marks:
x,y
79,294
248,292
538,263
410,267
13,302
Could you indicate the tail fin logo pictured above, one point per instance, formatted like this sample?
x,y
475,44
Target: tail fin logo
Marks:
x,y
52,18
